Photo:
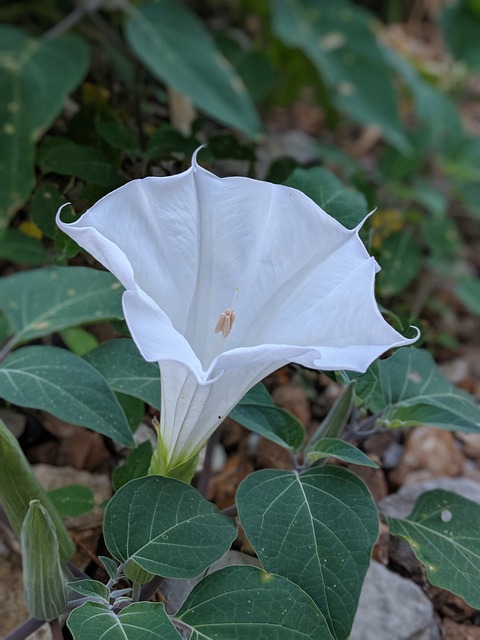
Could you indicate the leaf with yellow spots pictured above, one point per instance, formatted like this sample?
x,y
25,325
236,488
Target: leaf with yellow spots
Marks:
x,y
39,302
444,533
35,77
175,46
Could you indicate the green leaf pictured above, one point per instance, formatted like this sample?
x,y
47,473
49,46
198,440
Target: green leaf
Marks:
x,y
36,75
326,512
45,203
346,205
338,39
19,248
110,566
175,46
133,408
460,23
400,259
341,450
138,621
68,158
409,389
122,366
256,412
444,533
241,603
468,290
73,500
57,381
135,466
39,302
166,527
78,340
90,589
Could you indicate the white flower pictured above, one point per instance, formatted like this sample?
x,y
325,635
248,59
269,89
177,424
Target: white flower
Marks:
x,y
293,284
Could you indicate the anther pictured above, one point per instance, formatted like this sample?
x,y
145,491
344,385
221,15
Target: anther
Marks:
x,y
225,322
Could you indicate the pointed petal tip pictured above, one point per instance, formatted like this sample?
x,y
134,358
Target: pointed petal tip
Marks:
x,y
362,222
195,164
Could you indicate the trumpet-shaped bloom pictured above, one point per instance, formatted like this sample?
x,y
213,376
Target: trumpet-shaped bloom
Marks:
x,y
228,279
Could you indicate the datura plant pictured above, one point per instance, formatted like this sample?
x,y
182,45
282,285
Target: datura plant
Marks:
x,y
226,280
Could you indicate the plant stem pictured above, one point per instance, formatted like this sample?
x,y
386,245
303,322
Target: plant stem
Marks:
x,y
24,630
56,630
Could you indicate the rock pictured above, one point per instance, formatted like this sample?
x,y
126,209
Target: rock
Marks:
x,y
400,504
455,631
392,607
433,452
293,399
43,633
470,444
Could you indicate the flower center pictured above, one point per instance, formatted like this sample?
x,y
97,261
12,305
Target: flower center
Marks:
x,y
225,322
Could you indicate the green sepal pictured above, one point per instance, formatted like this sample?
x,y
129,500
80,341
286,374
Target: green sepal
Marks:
x,y
183,471
44,586
19,486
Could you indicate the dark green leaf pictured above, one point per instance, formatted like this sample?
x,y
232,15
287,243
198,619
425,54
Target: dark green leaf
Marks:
x,y
241,603
175,46
328,514
138,621
444,533
166,527
135,466
63,384
122,366
256,412
468,290
346,205
19,248
73,500
339,41
46,201
410,389
35,77
67,158
333,448
42,301
400,259
90,589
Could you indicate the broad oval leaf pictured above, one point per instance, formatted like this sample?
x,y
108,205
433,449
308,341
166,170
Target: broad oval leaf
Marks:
x,y
241,603
138,621
175,46
90,589
329,514
338,39
19,248
35,77
341,450
57,381
412,390
41,301
72,500
68,158
122,366
344,204
444,533
166,527
135,466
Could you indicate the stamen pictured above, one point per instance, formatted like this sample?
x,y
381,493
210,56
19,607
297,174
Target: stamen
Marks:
x,y
225,322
